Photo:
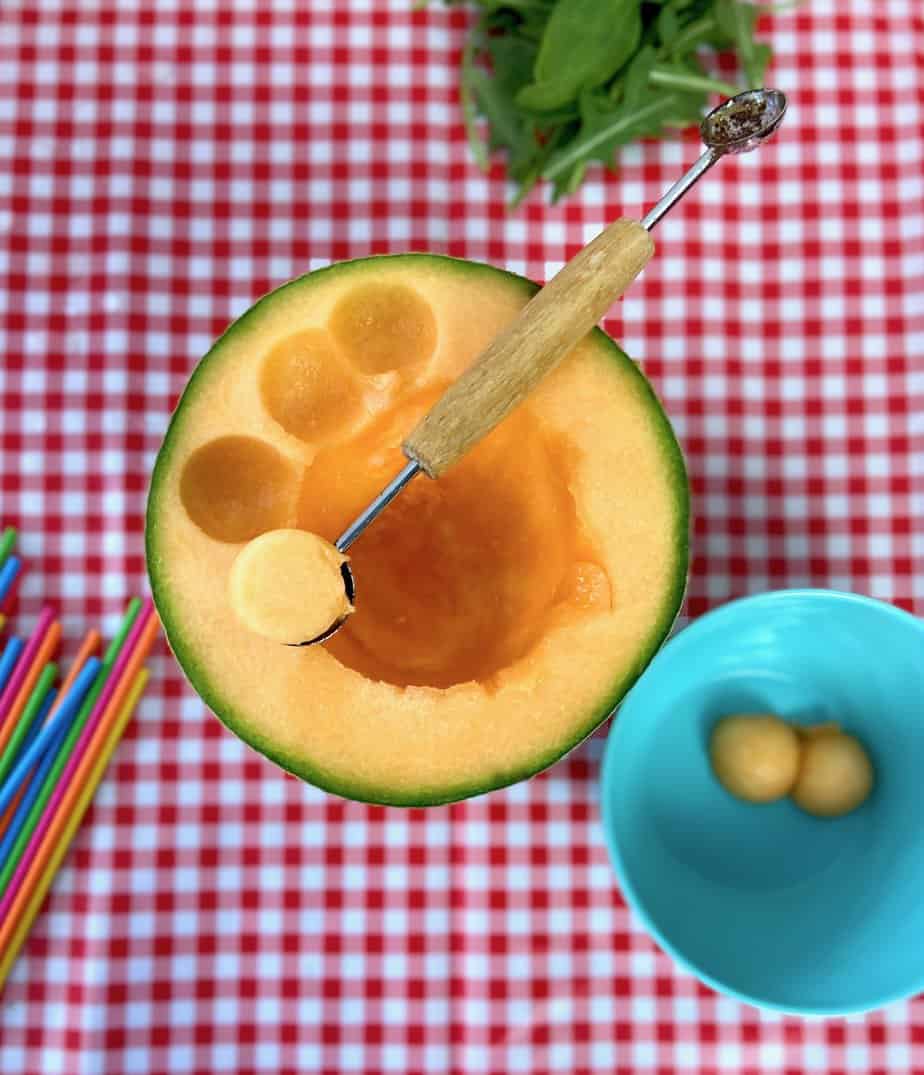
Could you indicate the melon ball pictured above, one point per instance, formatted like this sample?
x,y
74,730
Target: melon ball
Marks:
x,y
836,775
287,585
755,756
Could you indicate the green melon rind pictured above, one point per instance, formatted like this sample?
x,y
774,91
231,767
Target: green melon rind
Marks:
x,y
304,768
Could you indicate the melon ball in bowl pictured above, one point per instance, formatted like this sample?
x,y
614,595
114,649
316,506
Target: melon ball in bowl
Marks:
x,y
756,756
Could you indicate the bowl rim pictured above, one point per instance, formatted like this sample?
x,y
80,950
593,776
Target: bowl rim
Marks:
x,y
607,775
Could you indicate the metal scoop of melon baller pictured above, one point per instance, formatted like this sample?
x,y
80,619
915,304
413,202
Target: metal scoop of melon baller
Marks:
x,y
555,319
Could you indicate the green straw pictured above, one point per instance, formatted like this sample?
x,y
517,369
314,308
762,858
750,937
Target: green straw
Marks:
x,y
7,541
38,807
42,687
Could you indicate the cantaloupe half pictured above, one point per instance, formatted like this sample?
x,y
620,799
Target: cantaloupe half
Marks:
x,y
502,611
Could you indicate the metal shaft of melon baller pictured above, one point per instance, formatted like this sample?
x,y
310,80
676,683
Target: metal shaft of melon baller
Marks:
x,y
558,316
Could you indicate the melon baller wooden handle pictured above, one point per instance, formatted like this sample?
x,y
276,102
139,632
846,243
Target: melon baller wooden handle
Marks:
x,y
552,322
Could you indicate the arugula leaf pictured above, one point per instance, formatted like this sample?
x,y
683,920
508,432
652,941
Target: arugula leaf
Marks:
x,y
674,77
508,127
512,59
468,95
668,24
601,134
736,20
763,54
635,84
584,44
548,144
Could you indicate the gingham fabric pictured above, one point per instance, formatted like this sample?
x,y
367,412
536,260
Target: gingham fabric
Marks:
x,y
163,163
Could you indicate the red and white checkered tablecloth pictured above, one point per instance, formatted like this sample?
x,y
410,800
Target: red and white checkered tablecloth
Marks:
x,y
163,163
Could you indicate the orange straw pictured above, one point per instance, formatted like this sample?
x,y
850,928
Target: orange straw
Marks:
x,y
42,657
88,648
24,911
53,835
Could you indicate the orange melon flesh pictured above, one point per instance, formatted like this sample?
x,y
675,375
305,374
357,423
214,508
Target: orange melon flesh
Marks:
x,y
478,556
287,585
501,611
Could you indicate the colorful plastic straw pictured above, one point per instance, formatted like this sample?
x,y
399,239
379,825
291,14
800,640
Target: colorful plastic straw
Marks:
x,y
65,714
7,541
25,663
29,739
16,927
11,654
32,733
75,774
35,814
88,648
31,787
8,574
31,710
43,654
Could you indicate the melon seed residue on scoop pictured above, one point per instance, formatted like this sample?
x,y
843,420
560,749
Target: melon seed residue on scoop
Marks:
x,y
287,586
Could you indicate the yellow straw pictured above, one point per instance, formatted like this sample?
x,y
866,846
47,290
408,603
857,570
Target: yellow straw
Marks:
x,y
2,621
43,883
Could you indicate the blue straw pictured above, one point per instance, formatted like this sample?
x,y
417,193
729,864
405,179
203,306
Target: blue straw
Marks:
x,y
8,574
11,654
36,726
40,744
34,785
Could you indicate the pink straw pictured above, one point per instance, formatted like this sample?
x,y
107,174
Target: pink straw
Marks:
x,y
25,662
81,748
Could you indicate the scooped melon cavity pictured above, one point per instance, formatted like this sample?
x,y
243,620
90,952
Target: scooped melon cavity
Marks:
x,y
287,585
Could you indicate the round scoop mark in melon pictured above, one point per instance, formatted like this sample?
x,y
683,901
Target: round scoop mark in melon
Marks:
x,y
501,611
384,327
237,487
287,585
307,389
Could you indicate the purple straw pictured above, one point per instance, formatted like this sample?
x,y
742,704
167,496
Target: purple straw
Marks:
x,y
80,749
25,662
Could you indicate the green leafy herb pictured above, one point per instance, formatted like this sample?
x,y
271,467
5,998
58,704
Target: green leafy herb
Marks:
x,y
560,84
585,42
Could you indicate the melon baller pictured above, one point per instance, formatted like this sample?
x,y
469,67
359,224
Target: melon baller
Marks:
x,y
554,320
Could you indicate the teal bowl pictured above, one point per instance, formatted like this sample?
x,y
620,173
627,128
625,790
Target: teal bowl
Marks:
x,y
765,903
